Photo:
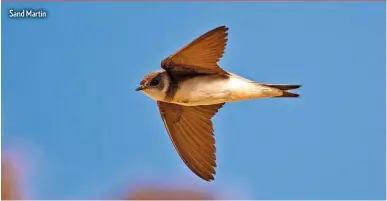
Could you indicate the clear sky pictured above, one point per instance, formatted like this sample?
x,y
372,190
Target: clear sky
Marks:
x,y
68,97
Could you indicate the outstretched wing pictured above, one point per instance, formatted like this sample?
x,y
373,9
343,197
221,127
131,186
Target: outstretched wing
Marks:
x,y
190,129
201,55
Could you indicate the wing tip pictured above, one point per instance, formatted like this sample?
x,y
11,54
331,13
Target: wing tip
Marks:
x,y
210,178
223,27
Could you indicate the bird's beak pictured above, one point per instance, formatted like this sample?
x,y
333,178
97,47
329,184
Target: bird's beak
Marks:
x,y
140,88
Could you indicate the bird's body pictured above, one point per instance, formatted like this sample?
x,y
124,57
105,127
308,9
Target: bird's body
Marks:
x,y
214,89
203,90
191,89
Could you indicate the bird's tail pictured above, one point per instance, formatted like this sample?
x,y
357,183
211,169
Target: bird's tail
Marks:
x,y
284,88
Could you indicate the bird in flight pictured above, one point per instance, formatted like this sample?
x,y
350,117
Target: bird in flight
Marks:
x,y
191,88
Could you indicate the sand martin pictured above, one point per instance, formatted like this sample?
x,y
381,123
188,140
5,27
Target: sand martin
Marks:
x,y
191,89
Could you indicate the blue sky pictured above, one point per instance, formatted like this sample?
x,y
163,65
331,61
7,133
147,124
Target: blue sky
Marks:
x,y
68,96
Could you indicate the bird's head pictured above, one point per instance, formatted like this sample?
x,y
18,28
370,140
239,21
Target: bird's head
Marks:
x,y
155,85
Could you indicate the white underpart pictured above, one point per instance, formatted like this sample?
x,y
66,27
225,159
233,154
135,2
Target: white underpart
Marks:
x,y
208,90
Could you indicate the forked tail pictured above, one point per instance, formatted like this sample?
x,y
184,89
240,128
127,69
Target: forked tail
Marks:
x,y
284,88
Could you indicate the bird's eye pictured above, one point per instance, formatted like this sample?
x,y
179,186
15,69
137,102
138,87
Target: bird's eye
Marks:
x,y
154,82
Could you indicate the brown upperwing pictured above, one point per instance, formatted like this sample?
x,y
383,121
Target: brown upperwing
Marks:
x,y
201,55
190,129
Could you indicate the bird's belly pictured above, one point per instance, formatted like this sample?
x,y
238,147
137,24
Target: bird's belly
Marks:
x,y
201,98
194,93
212,91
